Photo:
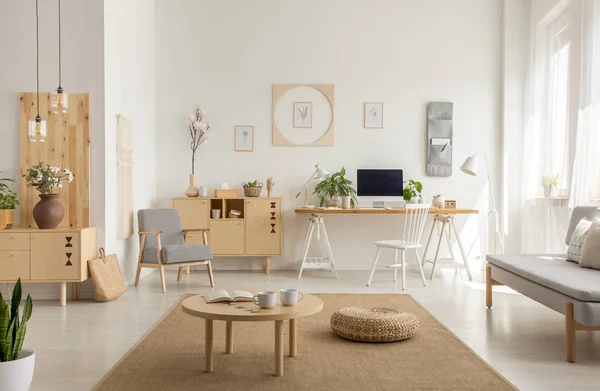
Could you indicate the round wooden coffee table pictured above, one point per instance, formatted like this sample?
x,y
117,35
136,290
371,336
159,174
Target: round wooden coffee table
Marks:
x,y
249,312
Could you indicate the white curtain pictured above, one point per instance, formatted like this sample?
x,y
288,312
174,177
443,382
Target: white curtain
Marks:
x,y
561,118
585,185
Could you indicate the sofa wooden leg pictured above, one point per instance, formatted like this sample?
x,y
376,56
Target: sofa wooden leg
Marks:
x,y
570,332
488,287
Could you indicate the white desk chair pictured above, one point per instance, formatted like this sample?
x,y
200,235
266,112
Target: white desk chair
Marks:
x,y
414,223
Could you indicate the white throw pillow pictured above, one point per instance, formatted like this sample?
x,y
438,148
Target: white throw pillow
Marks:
x,y
590,253
578,240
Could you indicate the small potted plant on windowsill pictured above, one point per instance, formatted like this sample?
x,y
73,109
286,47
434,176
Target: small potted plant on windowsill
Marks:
x,y
16,363
336,191
549,183
412,191
8,203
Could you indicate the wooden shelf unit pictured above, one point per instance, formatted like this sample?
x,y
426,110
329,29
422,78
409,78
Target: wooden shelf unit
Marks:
x,y
47,255
257,232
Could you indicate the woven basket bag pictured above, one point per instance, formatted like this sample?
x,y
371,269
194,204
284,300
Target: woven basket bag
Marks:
x,y
106,277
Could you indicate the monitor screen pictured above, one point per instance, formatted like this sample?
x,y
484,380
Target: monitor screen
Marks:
x,y
379,182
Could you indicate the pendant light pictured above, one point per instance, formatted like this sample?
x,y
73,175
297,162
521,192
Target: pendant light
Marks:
x,y
60,98
37,127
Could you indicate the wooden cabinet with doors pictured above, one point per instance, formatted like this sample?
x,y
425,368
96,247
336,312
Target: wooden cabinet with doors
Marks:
x,y
49,255
256,232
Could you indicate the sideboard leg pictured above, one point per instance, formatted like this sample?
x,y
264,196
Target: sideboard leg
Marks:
x,y
267,265
63,293
74,291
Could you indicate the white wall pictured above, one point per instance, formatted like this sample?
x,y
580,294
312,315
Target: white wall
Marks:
x,y
516,14
83,71
405,53
129,90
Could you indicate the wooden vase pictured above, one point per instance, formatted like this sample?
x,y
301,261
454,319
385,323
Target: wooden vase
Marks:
x,y
48,212
192,190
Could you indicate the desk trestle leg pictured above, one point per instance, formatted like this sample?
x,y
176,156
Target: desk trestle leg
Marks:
x,y
317,227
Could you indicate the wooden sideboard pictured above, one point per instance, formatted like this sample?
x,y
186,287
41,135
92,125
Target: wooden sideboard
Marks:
x,y
257,232
48,255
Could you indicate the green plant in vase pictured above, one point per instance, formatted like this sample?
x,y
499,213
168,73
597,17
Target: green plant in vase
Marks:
x,y
8,203
337,185
412,191
549,183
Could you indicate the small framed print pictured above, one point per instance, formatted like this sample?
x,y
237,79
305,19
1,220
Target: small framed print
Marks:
x,y
373,115
244,138
303,114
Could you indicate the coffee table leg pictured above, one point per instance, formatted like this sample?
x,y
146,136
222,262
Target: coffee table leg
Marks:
x,y
229,337
292,337
208,345
279,348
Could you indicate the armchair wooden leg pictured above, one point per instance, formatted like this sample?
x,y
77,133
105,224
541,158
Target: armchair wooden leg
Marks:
x,y
570,332
488,287
162,278
210,274
137,274
179,274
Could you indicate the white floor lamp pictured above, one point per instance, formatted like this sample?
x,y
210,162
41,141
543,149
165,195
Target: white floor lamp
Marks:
x,y
471,167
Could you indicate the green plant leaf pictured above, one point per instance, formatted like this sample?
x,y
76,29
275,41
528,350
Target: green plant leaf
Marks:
x,y
419,187
27,309
4,322
9,341
16,300
18,342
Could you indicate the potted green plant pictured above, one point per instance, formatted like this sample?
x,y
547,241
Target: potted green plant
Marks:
x,y
252,189
48,212
336,191
16,363
8,203
412,191
549,183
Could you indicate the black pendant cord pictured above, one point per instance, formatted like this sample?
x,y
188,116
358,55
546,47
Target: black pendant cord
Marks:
x,y
60,90
37,57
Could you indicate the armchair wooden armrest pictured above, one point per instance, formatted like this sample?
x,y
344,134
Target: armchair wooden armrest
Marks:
x,y
204,231
197,230
151,232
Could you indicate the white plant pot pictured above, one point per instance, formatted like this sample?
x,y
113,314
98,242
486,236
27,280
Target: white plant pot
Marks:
x,y
333,202
413,200
17,375
346,202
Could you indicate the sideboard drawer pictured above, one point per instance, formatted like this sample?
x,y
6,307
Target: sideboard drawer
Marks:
x,y
14,264
14,241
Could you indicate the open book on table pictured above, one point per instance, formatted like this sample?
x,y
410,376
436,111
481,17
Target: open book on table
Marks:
x,y
222,296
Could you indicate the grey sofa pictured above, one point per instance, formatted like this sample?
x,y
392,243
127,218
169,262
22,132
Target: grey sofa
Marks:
x,y
554,282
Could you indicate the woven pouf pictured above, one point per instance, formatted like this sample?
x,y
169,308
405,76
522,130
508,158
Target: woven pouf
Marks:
x,y
374,324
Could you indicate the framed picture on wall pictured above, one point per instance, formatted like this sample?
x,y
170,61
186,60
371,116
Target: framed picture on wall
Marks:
x,y
373,115
303,114
244,138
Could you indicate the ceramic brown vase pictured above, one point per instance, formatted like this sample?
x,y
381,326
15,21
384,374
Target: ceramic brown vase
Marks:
x,y
48,212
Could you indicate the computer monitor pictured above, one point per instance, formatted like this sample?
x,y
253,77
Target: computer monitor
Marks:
x,y
379,182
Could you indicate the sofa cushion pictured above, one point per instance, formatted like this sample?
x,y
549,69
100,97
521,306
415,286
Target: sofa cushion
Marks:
x,y
552,272
179,253
590,253
578,240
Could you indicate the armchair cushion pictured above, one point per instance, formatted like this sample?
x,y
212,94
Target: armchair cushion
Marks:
x,y
177,253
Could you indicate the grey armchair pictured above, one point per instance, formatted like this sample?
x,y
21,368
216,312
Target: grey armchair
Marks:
x,y
162,244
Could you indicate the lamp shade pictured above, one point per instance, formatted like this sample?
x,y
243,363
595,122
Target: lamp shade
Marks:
x,y
321,173
471,165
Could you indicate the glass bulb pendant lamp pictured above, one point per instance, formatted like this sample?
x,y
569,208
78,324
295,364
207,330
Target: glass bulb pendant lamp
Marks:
x,y
59,102
37,126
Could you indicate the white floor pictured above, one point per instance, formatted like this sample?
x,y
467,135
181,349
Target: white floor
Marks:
x,y
524,341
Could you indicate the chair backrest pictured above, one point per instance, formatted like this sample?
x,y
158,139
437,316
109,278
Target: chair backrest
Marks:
x,y
580,212
414,223
167,220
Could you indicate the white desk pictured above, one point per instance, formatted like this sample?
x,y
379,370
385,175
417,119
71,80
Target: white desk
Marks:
x,y
317,228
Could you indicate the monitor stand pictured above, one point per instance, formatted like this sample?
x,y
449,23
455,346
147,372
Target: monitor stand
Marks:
x,y
379,204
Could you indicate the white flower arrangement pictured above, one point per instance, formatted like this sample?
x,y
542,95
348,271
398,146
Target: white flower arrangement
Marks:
x,y
198,131
45,177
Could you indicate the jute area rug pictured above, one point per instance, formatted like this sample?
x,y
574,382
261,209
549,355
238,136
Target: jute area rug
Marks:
x,y
171,356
